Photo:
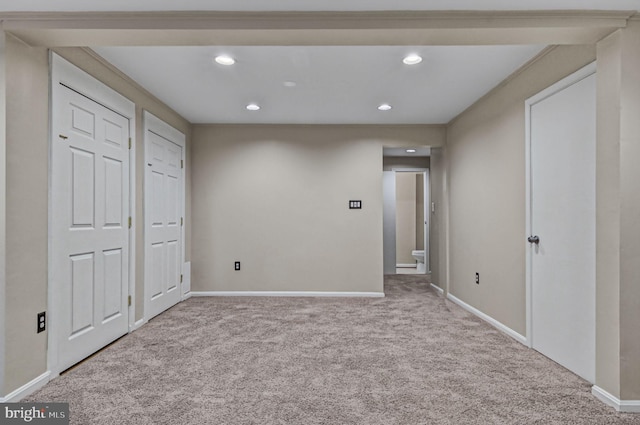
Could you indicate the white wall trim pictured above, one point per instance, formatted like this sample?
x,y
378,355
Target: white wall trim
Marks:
x,y
187,296
623,406
186,283
3,198
406,266
286,294
493,322
438,289
138,324
27,389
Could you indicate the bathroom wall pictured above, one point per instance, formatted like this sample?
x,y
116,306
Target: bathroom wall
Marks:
x,y
405,217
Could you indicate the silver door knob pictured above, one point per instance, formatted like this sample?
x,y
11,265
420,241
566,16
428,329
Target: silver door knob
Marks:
x,y
533,239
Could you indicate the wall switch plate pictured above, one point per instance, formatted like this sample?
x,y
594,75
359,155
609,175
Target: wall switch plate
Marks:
x,y
355,205
237,265
478,278
42,322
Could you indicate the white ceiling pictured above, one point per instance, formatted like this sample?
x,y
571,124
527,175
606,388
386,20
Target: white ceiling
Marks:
x,y
333,84
312,5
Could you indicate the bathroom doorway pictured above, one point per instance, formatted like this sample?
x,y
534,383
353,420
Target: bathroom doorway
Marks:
x,y
412,221
406,215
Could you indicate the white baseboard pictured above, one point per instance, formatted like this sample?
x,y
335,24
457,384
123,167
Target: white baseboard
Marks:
x,y
187,296
27,388
438,289
286,294
140,323
623,406
513,334
186,283
406,266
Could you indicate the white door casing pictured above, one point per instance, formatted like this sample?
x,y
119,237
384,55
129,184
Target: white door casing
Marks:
x,y
427,221
164,215
389,216
389,221
561,142
89,213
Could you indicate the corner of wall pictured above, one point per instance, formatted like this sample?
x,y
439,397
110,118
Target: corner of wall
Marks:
x,y
3,234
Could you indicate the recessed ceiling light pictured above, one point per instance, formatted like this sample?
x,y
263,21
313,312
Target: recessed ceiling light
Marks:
x,y
289,84
225,60
384,107
253,107
412,59
411,151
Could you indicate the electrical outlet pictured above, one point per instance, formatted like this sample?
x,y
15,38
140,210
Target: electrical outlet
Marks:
x,y
42,322
478,278
237,265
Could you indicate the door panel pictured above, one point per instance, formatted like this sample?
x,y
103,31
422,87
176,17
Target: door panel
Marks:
x,y
164,204
113,193
112,283
157,270
563,217
90,241
82,286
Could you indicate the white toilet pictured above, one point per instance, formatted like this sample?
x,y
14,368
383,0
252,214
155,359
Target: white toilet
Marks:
x,y
421,267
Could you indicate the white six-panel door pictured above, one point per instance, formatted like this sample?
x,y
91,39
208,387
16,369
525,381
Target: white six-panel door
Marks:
x,y
89,225
562,141
164,206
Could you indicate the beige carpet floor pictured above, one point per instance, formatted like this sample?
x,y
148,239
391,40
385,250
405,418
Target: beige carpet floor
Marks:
x,y
409,358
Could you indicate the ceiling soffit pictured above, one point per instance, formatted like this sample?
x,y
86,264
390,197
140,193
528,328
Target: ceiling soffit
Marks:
x,y
313,28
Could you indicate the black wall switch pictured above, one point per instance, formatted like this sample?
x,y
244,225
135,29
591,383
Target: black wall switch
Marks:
x,y
42,322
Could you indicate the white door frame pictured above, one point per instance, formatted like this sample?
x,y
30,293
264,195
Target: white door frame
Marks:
x,y
3,198
427,203
389,222
66,74
156,125
577,76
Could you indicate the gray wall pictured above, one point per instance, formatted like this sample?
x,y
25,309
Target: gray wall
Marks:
x,y
27,134
276,197
618,214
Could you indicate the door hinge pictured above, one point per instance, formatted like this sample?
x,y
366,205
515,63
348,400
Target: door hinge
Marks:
x,y
180,278
181,221
129,300
129,142
129,222
182,163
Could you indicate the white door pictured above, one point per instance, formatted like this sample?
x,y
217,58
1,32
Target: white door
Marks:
x,y
164,204
90,230
562,216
